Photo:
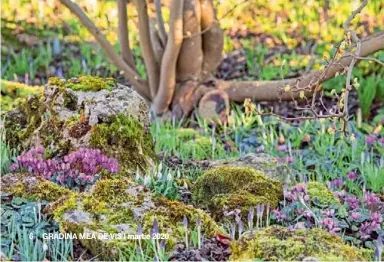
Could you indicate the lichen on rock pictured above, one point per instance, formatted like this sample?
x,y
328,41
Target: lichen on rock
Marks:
x,y
277,243
235,187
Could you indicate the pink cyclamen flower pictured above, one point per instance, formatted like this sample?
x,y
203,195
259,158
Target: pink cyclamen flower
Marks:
x,y
370,139
355,215
371,199
352,175
353,202
337,183
376,217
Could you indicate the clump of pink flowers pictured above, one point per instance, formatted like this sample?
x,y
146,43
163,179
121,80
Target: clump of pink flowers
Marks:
x,y
79,167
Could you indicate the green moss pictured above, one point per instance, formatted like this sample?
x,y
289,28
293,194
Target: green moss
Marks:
x,y
279,243
115,202
84,83
242,200
38,190
126,140
226,180
174,211
318,191
232,188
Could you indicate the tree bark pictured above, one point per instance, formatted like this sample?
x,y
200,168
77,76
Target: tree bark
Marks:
x,y
168,64
146,47
191,55
124,34
213,39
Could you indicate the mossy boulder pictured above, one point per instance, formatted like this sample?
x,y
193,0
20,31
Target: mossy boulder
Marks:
x,y
33,188
119,207
229,188
85,112
260,162
319,192
277,243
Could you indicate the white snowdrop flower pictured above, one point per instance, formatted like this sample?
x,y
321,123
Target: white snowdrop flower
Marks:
x,y
159,175
138,176
160,167
45,246
178,174
169,177
147,180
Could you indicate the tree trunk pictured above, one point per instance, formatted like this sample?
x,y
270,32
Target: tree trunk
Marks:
x,y
180,64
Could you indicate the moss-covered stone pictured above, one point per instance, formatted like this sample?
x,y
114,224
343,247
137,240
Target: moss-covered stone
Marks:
x,y
65,118
84,83
119,206
281,244
126,140
242,200
33,188
229,188
319,192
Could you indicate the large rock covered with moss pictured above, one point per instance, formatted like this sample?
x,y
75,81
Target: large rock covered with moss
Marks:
x,y
228,188
260,162
85,112
281,244
118,207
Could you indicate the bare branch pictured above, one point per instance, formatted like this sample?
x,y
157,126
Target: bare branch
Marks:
x,y
272,90
348,86
124,34
146,46
160,23
130,74
168,65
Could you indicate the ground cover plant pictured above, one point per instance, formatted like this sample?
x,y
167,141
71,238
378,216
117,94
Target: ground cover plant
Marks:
x,y
192,130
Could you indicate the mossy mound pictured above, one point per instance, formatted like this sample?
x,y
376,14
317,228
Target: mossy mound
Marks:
x,y
120,206
125,139
33,188
235,187
84,112
320,193
13,93
281,244
257,161
84,83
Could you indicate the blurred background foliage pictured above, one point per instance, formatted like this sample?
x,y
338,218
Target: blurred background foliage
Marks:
x,y
280,39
